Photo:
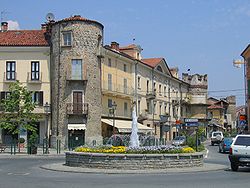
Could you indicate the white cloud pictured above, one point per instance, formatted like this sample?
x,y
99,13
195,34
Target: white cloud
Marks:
x,y
13,25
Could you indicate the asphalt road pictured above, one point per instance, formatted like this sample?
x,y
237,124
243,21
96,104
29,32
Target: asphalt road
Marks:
x,y
25,172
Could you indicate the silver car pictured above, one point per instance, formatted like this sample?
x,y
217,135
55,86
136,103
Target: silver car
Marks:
x,y
179,140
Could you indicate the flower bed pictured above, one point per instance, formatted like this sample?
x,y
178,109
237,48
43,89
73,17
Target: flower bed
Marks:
x,y
164,149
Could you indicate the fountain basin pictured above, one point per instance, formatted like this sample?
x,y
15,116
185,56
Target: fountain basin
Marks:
x,y
133,161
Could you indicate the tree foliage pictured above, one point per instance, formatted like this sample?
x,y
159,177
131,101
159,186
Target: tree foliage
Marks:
x,y
18,110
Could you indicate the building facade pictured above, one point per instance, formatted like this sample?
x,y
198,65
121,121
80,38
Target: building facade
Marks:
x,y
25,56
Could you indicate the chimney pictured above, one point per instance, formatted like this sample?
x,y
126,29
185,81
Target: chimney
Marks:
x,y
4,26
115,46
44,27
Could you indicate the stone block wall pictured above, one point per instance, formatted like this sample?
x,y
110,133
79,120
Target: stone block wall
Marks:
x,y
133,161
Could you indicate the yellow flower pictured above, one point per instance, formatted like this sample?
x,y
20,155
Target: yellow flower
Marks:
x,y
188,150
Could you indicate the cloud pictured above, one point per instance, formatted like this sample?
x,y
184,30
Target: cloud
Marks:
x,y
13,25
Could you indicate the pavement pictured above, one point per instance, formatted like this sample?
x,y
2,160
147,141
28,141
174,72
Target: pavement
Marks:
x,y
63,168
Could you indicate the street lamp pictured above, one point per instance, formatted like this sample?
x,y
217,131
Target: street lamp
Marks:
x,y
47,111
114,105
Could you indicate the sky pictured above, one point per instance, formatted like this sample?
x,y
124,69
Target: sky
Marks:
x,y
204,36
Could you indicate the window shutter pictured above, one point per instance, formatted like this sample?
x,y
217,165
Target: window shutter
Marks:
x,y
2,95
41,98
85,76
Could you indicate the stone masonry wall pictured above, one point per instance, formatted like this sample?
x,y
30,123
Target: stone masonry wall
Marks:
x,y
133,161
86,41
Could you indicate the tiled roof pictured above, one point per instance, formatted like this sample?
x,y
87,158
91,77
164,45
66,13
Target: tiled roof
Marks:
x,y
78,18
152,62
23,38
215,107
131,46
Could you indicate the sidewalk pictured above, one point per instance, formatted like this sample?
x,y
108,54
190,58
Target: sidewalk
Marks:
x,y
62,168
23,152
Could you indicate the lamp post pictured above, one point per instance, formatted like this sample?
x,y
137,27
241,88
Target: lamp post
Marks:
x,y
237,64
47,111
114,105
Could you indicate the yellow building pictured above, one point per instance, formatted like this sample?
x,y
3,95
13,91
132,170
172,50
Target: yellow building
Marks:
x,y
118,91
25,56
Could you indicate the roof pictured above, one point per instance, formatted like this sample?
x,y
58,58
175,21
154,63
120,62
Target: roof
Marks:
x,y
152,62
215,107
23,38
242,53
78,18
131,46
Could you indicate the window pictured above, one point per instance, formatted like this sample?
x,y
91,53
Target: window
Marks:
x,y
165,108
148,107
37,97
147,85
160,109
10,70
109,62
67,39
110,82
154,86
139,107
125,86
242,141
139,82
159,89
4,94
109,103
154,111
125,109
159,68
76,73
35,68
124,67
165,91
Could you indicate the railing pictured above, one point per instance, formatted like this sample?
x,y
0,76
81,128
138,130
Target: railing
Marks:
x,y
150,94
9,76
118,113
71,77
34,77
77,108
117,88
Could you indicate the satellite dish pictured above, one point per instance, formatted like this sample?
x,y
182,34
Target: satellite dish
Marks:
x,y
50,17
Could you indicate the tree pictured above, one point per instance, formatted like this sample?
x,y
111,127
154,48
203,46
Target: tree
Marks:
x,y
18,109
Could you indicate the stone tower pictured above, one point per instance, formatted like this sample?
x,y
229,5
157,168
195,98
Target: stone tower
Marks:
x,y
75,79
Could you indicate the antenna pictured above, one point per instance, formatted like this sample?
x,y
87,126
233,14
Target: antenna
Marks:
x,y
50,17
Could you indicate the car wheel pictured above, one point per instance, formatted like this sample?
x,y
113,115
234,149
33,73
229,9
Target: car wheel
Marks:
x,y
219,150
234,166
212,143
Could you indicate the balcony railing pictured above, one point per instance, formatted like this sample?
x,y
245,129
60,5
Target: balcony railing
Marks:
x,y
117,88
82,77
9,76
34,77
118,113
77,108
150,95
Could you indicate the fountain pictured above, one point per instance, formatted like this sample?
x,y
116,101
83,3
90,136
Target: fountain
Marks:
x,y
134,139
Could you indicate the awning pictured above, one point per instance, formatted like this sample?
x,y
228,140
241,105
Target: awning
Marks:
x,y
124,126
76,126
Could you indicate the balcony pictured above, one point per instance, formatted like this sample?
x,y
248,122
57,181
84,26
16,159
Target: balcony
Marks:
x,y
117,90
70,77
9,77
150,95
34,77
77,108
120,113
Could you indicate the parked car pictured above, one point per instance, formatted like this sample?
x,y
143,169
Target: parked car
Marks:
x,y
225,145
179,140
216,137
239,153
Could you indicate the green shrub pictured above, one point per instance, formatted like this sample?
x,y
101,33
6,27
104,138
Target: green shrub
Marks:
x,y
21,140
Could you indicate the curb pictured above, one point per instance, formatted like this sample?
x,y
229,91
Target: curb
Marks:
x,y
59,167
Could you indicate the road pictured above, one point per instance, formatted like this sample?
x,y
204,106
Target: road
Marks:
x,y
25,172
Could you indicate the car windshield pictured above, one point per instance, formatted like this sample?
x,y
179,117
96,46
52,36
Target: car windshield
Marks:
x,y
215,134
179,138
242,141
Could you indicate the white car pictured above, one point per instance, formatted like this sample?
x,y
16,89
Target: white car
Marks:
x,y
216,137
239,153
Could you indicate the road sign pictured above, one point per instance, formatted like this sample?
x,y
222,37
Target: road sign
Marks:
x,y
192,120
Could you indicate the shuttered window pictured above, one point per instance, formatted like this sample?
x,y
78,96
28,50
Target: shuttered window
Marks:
x,y
37,97
76,69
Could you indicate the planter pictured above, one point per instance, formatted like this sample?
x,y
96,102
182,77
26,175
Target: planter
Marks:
x,y
133,161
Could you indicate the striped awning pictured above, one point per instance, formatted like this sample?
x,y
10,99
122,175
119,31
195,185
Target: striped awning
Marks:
x,y
76,126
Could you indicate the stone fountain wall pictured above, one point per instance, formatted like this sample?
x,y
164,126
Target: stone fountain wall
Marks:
x,y
133,161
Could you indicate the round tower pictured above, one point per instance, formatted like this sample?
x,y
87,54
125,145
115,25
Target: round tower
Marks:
x,y
76,81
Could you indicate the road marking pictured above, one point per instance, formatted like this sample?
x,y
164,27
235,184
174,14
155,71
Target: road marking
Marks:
x,y
18,174
206,154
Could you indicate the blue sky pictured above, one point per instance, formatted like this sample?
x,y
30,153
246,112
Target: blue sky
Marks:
x,y
201,35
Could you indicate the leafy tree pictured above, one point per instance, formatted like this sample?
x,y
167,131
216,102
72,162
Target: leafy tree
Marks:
x,y
18,110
